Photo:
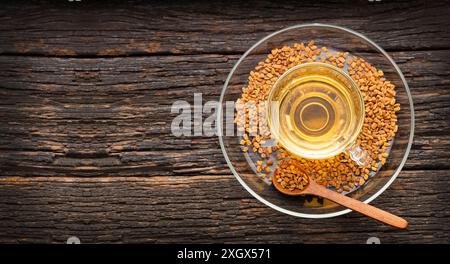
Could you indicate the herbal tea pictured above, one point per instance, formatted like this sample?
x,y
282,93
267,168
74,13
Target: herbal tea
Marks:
x,y
315,110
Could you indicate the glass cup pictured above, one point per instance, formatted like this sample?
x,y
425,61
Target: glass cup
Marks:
x,y
316,111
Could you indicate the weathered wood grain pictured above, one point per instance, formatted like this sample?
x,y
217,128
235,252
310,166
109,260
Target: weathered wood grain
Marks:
x,y
171,27
76,116
85,142
203,209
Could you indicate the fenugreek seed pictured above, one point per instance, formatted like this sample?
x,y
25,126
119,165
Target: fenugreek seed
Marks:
x,y
361,181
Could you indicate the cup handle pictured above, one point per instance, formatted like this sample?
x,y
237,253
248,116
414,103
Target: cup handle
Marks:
x,y
358,155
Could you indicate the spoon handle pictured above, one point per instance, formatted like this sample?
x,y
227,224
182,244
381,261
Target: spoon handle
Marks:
x,y
358,206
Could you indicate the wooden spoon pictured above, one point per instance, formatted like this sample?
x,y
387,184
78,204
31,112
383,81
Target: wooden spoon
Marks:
x,y
353,204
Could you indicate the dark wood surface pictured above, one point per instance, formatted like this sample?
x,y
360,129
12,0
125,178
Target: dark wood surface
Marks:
x,y
85,143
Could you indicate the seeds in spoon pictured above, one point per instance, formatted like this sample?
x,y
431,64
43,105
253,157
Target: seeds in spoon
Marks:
x,y
291,175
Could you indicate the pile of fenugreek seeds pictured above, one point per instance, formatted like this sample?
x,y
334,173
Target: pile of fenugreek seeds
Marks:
x,y
339,172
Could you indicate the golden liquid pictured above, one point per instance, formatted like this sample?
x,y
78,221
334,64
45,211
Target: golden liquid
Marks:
x,y
315,111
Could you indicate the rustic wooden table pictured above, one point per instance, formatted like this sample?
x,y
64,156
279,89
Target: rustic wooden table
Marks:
x,y
85,142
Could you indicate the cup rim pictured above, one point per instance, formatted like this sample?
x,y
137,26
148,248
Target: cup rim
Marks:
x,y
220,121
351,139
